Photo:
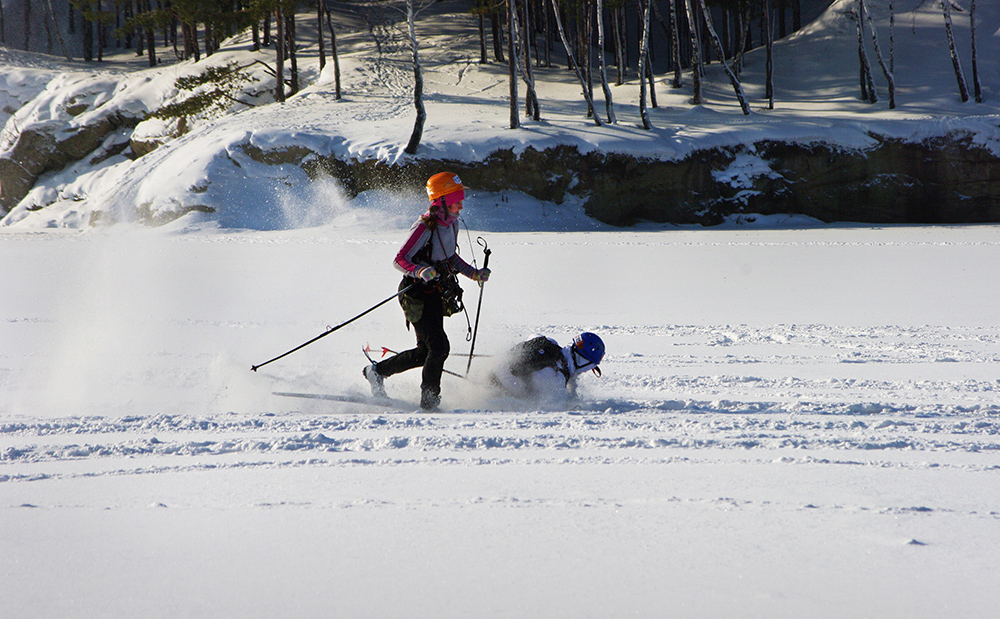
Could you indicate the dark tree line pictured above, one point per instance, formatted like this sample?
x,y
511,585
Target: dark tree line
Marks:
x,y
634,38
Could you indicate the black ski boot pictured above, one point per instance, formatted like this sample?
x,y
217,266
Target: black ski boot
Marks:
x,y
430,399
376,381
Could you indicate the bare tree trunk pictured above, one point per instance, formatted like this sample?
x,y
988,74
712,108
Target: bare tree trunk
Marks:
x,y
717,44
675,48
497,37
643,50
523,54
769,42
619,46
27,25
548,33
695,54
515,120
482,39
975,67
292,54
572,62
531,98
867,84
336,57
881,61
279,56
743,23
892,38
150,39
608,103
963,90
651,79
59,37
418,84
319,34
586,45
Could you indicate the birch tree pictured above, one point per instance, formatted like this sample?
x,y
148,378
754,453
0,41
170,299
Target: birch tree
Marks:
x,y
717,44
574,65
769,71
963,90
608,103
675,47
892,38
334,55
616,13
521,61
878,54
695,53
515,120
531,108
289,42
59,37
418,83
319,34
279,56
867,84
975,68
643,50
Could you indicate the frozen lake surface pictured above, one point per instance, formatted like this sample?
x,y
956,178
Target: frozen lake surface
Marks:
x,y
790,423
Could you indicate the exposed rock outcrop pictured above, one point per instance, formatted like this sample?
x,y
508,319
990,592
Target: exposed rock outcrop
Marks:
x,y
945,180
44,147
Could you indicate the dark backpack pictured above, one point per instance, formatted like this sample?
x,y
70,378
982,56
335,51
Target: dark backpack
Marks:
x,y
536,354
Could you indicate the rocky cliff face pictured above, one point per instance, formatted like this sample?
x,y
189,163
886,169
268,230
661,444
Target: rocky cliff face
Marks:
x,y
47,147
944,180
949,179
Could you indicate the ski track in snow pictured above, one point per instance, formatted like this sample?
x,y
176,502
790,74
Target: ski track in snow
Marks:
x,y
598,431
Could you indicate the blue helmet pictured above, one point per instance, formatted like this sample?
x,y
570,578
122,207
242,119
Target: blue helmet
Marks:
x,y
589,346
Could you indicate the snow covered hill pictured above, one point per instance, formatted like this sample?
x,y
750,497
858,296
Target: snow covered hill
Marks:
x,y
244,167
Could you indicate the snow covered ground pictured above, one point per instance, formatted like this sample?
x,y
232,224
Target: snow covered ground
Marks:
x,y
790,423
794,420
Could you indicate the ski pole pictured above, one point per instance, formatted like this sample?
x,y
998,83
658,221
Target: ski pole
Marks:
x,y
486,263
332,329
388,351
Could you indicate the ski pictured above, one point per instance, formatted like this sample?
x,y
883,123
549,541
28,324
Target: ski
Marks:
x,y
386,403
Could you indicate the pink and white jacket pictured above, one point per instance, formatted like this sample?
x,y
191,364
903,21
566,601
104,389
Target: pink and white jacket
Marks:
x,y
443,247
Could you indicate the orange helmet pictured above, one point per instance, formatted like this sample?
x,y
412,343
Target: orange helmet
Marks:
x,y
443,183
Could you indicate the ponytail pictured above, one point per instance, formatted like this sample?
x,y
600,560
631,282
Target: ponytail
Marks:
x,y
430,218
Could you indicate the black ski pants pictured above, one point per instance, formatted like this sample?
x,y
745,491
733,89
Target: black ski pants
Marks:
x,y
431,350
